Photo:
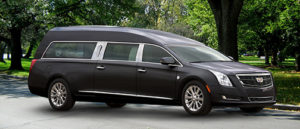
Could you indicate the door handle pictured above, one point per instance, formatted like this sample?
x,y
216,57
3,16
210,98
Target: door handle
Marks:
x,y
142,70
99,67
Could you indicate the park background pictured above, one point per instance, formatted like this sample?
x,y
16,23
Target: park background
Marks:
x,y
263,33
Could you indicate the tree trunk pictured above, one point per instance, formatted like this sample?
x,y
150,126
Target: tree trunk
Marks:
x,y
266,50
16,49
7,51
274,57
297,62
2,50
226,13
28,54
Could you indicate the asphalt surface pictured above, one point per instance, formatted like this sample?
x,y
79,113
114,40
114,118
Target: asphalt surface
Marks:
x,y
21,110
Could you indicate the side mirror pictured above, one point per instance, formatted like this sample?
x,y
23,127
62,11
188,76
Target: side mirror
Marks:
x,y
167,60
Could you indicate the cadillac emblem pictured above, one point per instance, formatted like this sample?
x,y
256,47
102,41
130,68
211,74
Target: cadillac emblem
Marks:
x,y
259,79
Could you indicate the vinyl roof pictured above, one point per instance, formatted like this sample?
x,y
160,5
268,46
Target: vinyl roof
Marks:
x,y
161,36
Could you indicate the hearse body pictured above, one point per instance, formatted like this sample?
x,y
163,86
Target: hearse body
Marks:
x,y
119,65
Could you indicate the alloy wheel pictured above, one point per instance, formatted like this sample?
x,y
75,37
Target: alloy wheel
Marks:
x,y
58,94
194,98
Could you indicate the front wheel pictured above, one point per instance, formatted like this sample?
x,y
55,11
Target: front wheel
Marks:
x,y
60,96
196,99
251,109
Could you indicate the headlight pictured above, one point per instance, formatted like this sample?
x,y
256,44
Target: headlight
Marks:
x,y
222,78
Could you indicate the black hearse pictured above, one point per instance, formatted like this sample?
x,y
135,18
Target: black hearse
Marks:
x,y
119,65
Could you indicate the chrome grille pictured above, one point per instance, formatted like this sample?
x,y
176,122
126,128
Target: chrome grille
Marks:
x,y
255,80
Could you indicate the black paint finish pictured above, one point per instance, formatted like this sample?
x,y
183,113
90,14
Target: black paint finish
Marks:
x,y
124,77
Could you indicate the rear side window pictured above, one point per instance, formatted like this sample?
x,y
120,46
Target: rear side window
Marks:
x,y
82,50
120,52
154,54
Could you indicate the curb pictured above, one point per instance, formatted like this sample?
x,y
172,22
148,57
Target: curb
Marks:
x,y
5,76
285,107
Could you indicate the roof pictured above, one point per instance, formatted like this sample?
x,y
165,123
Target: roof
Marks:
x,y
112,34
160,36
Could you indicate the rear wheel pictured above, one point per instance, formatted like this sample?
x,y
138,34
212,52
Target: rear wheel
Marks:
x,y
115,105
251,109
196,99
59,95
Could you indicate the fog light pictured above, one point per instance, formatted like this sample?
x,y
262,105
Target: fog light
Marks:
x,y
224,97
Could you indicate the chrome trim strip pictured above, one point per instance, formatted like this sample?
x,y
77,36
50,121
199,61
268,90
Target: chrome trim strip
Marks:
x,y
140,53
254,74
124,94
64,59
98,50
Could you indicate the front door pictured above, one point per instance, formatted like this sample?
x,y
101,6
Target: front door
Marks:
x,y
155,79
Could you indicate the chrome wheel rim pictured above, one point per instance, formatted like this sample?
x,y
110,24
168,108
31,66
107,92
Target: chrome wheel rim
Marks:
x,y
58,94
193,98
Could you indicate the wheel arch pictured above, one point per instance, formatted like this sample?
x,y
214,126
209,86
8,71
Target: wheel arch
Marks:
x,y
51,79
185,81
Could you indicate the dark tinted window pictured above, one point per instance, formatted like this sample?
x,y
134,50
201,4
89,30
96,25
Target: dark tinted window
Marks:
x,y
120,51
70,50
198,53
154,54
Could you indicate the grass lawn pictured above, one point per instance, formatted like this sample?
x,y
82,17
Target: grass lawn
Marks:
x,y
287,80
25,63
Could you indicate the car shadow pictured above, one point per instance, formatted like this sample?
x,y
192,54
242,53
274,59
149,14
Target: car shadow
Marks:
x,y
158,112
14,88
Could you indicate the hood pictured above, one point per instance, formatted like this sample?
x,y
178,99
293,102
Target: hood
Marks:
x,y
229,68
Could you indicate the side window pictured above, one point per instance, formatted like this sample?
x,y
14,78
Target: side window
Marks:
x,y
116,51
153,54
82,50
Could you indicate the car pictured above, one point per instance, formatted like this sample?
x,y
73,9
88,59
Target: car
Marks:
x,y
120,65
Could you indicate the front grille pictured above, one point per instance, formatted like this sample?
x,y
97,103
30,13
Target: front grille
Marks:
x,y
257,99
255,80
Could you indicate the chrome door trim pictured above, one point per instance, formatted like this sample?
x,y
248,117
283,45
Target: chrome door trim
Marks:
x,y
98,50
124,94
140,52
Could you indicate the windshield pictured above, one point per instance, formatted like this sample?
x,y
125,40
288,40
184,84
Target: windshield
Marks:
x,y
194,54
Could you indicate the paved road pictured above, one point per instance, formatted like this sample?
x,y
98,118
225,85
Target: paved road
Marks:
x,y
21,110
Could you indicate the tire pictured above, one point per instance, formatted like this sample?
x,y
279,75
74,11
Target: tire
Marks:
x,y
115,105
251,109
60,96
203,105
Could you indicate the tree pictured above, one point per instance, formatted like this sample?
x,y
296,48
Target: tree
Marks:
x,y
226,13
15,17
91,12
274,26
289,21
201,19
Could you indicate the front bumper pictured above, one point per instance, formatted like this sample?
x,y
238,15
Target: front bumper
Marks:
x,y
241,96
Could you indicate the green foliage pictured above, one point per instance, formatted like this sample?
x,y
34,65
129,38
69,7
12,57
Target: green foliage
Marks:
x,y
269,22
201,19
91,12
